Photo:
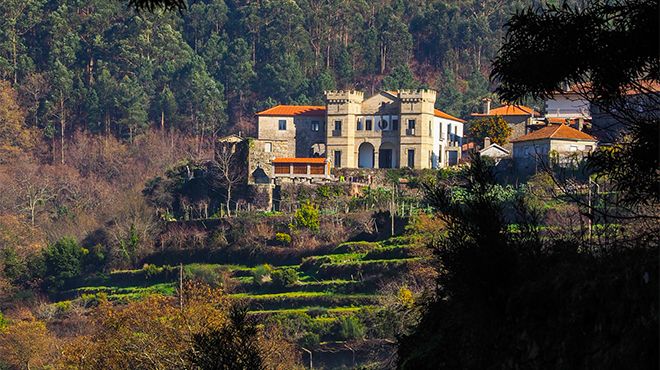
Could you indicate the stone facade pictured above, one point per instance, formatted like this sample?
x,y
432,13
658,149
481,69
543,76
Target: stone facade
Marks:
x,y
391,129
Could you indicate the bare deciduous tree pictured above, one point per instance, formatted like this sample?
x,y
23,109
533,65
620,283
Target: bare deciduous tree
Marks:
x,y
229,167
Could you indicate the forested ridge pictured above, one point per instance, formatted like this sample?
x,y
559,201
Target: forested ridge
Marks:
x,y
104,68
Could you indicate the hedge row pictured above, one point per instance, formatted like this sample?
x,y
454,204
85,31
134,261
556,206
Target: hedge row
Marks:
x,y
274,302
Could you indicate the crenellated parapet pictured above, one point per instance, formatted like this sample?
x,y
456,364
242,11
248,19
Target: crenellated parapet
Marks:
x,y
344,96
343,101
417,96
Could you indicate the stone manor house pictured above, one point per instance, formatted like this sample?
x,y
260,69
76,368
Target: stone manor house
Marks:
x,y
391,129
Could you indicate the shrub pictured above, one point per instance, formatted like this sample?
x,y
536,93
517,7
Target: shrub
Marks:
x,y
261,274
312,264
310,340
151,270
355,247
350,328
284,277
63,261
307,216
211,275
283,238
388,253
317,311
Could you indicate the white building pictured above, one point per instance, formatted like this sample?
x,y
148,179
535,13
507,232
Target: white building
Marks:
x,y
557,142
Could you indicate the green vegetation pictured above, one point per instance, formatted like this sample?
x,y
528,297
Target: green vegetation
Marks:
x,y
307,216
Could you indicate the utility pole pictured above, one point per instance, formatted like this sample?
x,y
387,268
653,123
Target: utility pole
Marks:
x,y
181,286
392,209
591,208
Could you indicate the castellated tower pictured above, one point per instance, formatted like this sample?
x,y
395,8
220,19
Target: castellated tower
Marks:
x,y
342,107
417,115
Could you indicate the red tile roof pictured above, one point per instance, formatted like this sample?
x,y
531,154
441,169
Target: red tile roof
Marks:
x,y
315,110
509,110
557,120
300,160
294,110
555,132
441,114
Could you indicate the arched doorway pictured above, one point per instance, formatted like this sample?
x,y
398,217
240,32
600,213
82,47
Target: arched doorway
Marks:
x,y
387,156
366,156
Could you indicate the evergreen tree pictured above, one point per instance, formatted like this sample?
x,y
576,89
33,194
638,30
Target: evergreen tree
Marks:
x,y
401,77
132,103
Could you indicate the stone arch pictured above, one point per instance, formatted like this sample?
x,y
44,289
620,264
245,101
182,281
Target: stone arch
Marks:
x,y
366,155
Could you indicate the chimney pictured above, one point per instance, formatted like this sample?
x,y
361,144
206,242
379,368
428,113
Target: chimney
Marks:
x,y
486,107
486,142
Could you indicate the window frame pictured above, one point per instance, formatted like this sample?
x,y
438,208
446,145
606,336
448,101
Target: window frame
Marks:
x,y
411,158
337,158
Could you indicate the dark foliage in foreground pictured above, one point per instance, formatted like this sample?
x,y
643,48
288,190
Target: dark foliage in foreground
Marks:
x,y
510,300
234,347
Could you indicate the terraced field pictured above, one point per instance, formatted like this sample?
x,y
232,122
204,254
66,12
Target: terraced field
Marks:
x,y
341,281
326,302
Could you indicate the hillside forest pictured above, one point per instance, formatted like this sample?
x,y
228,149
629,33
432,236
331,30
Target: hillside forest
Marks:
x,y
103,68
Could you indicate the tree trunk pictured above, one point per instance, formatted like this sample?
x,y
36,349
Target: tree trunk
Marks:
x,y
14,56
62,128
106,123
162,121
32,206
228,200
383,51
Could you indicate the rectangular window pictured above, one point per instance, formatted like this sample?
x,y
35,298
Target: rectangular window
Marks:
x,y
337,158
368,125
395,124
359,124
282,124
449,132
316,126
411,124
268,147
411,158
430,129
337,125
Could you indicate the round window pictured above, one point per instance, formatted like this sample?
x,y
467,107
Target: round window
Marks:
x,y
382,124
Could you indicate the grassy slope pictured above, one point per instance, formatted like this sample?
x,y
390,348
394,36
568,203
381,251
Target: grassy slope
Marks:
x,y
343,281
